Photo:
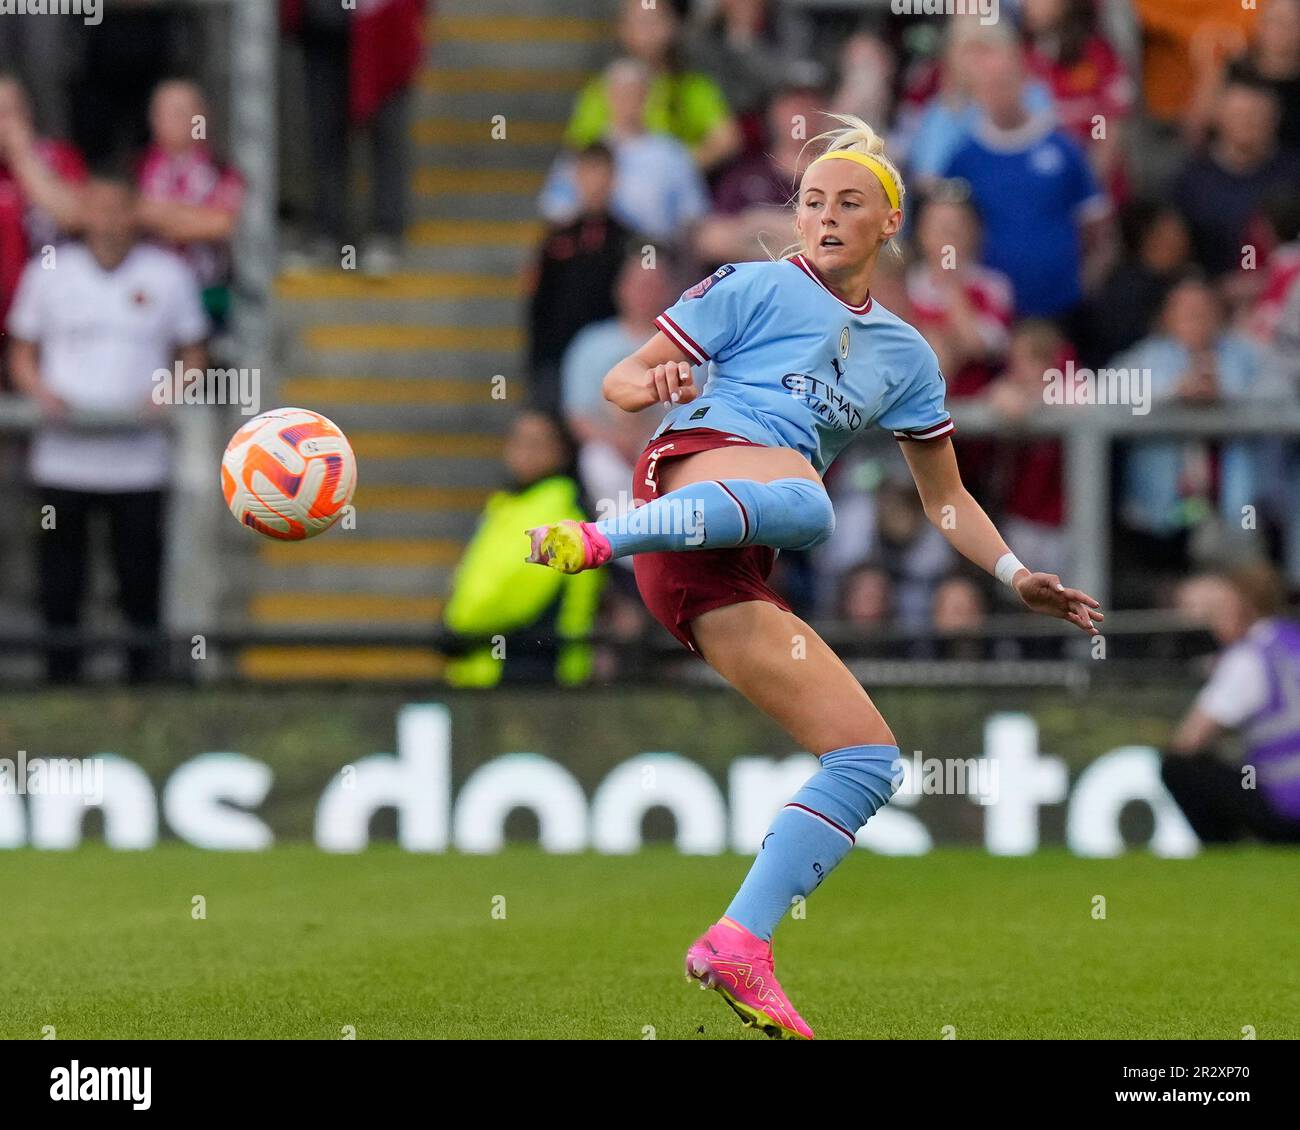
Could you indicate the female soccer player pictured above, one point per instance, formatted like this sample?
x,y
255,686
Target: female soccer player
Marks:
x,y
802,361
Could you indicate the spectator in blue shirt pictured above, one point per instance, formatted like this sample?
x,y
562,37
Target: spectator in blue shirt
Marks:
x,y
950,119
1168,484
1042,209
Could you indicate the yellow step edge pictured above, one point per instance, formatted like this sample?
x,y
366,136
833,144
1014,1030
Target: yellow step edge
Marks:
x,y
416,445
367,336
476,233
437,180
434,131
393,496
397,390
300,287
343,548
338,607
504,80
332,664
516,29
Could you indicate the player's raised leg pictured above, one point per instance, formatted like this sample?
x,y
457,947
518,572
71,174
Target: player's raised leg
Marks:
x,y
785,669
732,497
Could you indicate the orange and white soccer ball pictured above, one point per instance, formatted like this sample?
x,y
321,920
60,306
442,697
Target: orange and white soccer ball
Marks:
x,y
288,474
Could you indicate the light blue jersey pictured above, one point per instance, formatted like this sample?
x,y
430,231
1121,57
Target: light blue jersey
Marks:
x,y
791,365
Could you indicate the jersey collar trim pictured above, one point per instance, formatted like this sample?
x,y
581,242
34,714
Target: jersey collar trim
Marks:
x,y
808,269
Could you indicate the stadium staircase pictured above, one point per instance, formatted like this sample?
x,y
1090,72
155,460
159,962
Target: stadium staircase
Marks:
x,y
406,365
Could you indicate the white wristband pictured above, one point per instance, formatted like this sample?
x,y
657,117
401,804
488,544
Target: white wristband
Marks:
x,y
1007,567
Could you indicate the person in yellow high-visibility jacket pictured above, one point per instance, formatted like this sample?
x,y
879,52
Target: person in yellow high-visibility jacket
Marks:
x,y
505,620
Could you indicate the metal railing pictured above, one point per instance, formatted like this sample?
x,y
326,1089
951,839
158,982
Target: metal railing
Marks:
x,y
879,658
1088,435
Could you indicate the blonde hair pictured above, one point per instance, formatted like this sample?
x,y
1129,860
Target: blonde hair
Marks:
x,y
855,136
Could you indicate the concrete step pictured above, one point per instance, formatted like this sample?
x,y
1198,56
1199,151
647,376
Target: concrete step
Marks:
x,y
436,419
502,80
519,40
306,609
440,525
465,184
449,364
515,100
475,208
514,132
485,25
406,365
462,500
317,608
354,547
460,314
484,364
407,394
446,254
376,577
405,336
524,234
339,664
341,347
408,286
485,154
504,259
541,55
398,445
454,472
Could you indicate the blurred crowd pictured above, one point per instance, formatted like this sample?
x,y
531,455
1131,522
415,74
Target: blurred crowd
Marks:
x,y
1095,183
118,212
115,263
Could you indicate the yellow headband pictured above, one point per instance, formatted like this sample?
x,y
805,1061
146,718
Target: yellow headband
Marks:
x,y
868,162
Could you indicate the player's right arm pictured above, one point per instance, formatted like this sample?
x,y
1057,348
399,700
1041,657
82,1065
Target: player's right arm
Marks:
x,y
657,373
708,319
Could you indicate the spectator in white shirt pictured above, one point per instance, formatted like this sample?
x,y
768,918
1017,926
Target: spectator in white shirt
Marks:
x,y
90,327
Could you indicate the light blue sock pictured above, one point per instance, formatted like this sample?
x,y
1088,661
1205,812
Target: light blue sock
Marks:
x,y
785,514
813,832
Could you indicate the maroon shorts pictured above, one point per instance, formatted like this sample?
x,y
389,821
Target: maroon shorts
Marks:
x,y
677,587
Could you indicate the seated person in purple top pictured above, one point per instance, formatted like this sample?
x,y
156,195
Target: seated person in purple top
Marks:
x,y
1255,691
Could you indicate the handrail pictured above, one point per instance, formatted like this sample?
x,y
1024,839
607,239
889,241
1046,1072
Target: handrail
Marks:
x,y
1087,433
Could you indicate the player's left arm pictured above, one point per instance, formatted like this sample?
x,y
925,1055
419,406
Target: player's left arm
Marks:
x,y
956,514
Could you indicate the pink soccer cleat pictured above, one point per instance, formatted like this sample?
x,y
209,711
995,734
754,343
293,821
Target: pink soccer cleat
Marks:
x,y
739,966
569,546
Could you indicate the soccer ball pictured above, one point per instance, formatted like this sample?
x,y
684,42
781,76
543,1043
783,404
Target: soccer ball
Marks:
x,y
288,474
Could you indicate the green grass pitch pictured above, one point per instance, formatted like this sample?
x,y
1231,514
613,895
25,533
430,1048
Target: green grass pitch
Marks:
x,y
301,944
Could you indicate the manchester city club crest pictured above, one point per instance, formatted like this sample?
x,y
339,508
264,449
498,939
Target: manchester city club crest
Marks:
x,y
844,343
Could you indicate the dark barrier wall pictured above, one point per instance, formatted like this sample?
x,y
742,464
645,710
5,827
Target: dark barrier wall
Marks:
x,y
1011,769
